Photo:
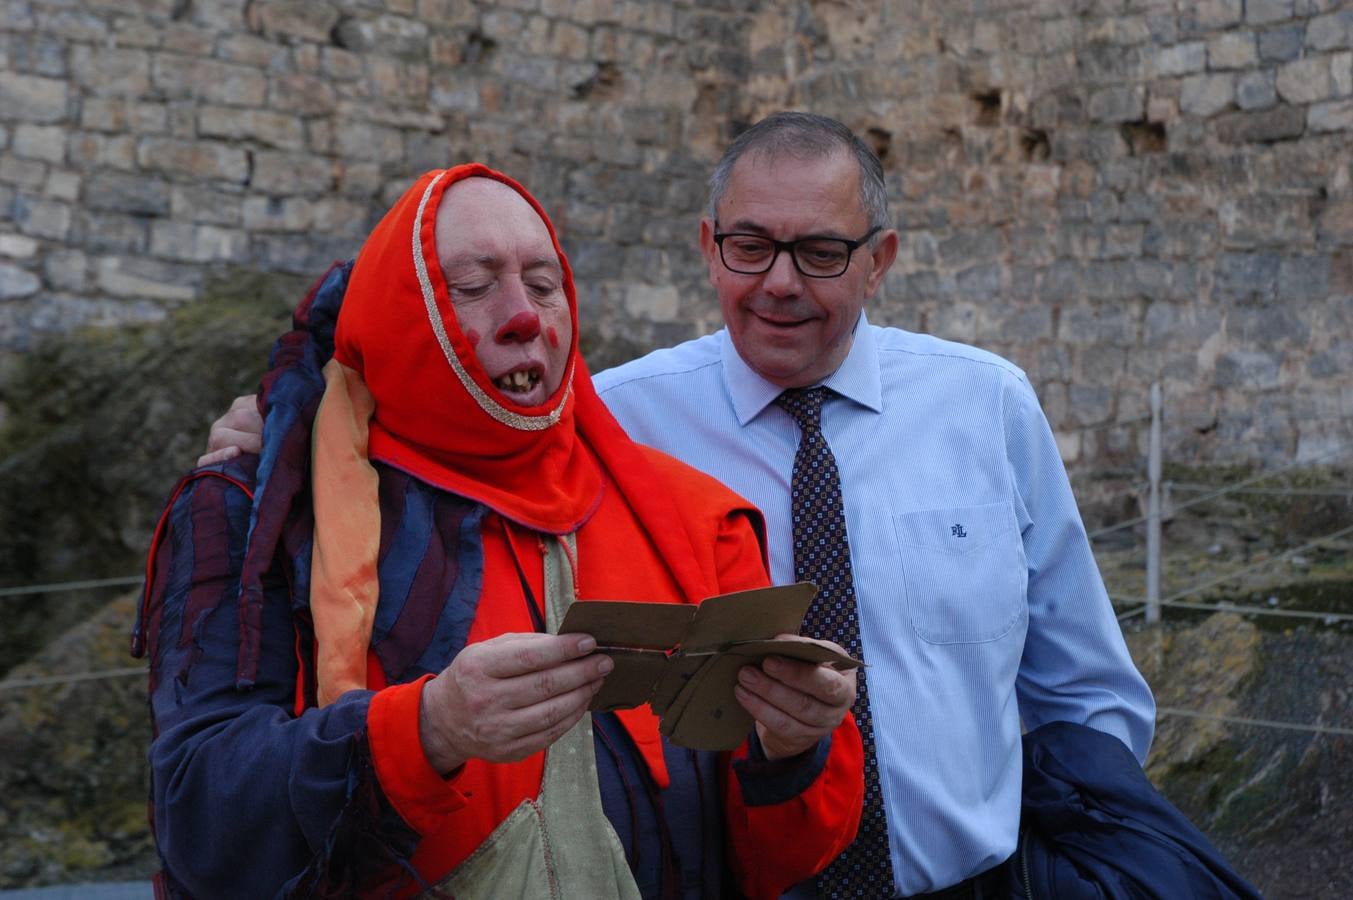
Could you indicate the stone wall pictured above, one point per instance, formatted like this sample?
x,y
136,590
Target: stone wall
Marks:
x,y
1109,192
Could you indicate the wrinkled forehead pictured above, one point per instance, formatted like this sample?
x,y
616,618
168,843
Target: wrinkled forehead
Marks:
x,y
483,218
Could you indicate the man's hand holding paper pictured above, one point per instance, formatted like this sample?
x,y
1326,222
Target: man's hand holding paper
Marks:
x,y
795,703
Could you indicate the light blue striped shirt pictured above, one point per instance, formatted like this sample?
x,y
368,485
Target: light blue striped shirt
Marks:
x,y
979,599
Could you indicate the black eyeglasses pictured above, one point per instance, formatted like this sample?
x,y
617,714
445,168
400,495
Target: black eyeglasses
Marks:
x,y
814,257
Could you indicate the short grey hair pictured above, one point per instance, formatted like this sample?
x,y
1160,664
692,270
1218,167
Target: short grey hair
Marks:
x,y
802,135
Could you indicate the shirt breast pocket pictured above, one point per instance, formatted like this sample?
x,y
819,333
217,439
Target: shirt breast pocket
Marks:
x,y
964,573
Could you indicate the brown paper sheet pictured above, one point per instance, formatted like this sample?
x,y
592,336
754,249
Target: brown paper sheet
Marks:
x,y
684,660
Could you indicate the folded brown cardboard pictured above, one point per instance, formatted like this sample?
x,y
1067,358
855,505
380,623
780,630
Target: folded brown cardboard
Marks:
x,y
683,660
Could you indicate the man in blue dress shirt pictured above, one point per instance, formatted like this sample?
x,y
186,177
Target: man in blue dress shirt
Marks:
x,y
979,601
980,606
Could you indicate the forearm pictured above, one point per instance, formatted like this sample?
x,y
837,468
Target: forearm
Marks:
x,y
788,818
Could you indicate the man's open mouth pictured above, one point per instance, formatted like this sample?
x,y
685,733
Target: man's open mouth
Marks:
x,y
518,382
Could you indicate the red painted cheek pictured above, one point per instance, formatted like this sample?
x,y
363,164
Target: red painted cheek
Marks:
x,y
552,336
473,337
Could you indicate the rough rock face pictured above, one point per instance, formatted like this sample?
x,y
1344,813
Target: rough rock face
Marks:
x,y
1270,798
74,777
102,422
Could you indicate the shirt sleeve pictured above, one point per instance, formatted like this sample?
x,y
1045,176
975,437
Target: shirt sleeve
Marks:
x,y
1076,666
786,819
249,798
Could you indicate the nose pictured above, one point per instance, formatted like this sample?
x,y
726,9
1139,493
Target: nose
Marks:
x,y
523,321
782,279
521,328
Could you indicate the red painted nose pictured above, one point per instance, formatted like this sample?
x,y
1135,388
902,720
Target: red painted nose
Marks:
x,y
519,329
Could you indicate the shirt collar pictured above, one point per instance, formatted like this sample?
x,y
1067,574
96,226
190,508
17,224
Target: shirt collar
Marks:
x,y
857,378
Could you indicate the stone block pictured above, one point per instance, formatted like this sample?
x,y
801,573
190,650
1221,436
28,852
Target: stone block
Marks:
x,y
658,303
127,193
367,141
111,70
180,76
1336,223
1341,70
278,213
40,217
185,37
1332,31
1245,277
1090,404
1249,370
308,20
1256,90
1105,64
72,25
28,173
1097,324
1265,220
1266,12
17,246
1117,104
1206,95
110,232
17,282
1276,124
92,150
1237,50
186,242
979,282
285,132
191,203
251,50
1335,116
306,95
291,173
1063,282
458,12
1181,59
117,114
569,41
1303,280
148,279
1281,44
956,321
1305,80
41,54
31,98
194,159
66,270
970,245
1024,324
388,35
1210,15
44,142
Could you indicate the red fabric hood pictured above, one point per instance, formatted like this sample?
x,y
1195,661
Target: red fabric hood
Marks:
x,y
438,416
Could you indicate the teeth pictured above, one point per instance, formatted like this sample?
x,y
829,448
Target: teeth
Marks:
x,y
519,381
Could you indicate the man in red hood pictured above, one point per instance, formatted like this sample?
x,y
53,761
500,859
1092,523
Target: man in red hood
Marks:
x,y
356,681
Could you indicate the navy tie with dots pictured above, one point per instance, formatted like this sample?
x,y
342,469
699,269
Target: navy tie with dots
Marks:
x,y
822,556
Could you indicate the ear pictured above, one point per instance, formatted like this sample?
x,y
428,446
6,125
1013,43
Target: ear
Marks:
x,y
883,254
708,248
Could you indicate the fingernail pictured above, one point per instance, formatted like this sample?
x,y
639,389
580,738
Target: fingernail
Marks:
x,y
587,644
605,666
747,675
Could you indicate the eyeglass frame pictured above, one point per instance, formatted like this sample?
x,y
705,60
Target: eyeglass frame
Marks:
x,y
851,247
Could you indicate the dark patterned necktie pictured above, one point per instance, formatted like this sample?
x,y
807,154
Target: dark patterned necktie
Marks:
x,y
822,556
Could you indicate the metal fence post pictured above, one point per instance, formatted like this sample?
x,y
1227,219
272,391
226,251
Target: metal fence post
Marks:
x,y
1153,465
